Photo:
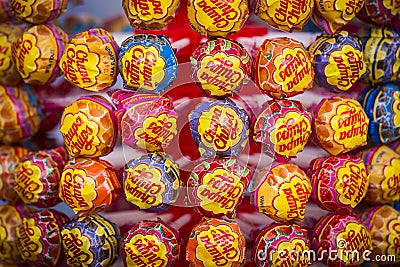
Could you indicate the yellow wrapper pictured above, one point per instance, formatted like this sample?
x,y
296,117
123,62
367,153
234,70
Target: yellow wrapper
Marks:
x,y
8,72
37,11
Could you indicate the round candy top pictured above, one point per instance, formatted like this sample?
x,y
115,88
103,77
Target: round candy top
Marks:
x,y
38,12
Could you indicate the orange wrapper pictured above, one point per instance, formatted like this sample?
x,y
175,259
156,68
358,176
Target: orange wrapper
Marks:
x,y
8,72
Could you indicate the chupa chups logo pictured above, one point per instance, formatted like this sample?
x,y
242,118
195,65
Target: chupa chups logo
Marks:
x,y
350,8
29,236
394,237
282,256
355,237
22,7
27,182
25,50
77,247
145,250
221,13
150,9
291,12
391,184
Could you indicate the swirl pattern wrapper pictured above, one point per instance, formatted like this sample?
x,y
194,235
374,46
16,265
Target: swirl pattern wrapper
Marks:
x,y
338,61
164,240
344,234
340,125
216,187
383,223
38,11
152,182
382,106
147,63
215,242
89,186
383,166
38,175
146,121
379,12
284,15
330,16
20,115
220,67
283,68
90,241
276,238
39,238
339,182
150,15
10,157
283,127
9,75
217,18
37,52
90,60
219,128
381,48
89,127
281,191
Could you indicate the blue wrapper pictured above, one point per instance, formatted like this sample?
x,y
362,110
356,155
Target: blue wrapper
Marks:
x,y
382,106
147,63
152,182
219,128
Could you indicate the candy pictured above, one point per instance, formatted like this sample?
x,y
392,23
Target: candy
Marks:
x,y
220,67
39,238
37,52
379,12
38,175
281,191
89,185
37,12
152,182
90,60
150,14
146,121
283,128
90,241
340,125
338,61
219,128
147,63
283,68
89,127
339,182
217,18
343,235
284,15
216,187
8,72
278,244
164,240
215,242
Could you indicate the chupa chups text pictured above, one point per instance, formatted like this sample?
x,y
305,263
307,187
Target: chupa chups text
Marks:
x,y
297,204
393,184
222,74
351,181
290,11
74,245
72,190
349,72
355,119
139,185
83,140
27,245
353,6
140,67
26,185
297,135
146,253
23,46
356,238
221,12
147,7
156,131
18,6
76,58
294,68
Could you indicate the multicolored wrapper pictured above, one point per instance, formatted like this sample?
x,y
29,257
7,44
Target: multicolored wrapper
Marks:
x,y
90,241
147,63
89,127
20,115
216,187
381,48
281,191
383,223
284,15
37,52
283,68
283,127
38,12
5,12
147,121
340,125
38,175
217,18
39,238
339,182
383,166
164,240
8,71
150,14
10,218
331,16
90,60
152,182
9,159
89,186
379,12
344,234
219,128
276,239
220,67
382,106
338,61
215,242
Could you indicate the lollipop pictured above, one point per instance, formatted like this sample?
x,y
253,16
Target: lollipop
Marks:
x,y
8,71
38,12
